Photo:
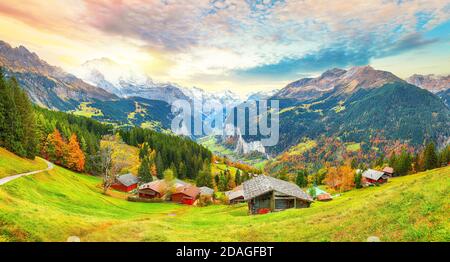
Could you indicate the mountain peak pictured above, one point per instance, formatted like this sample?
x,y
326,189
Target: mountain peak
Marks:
x,y
335,72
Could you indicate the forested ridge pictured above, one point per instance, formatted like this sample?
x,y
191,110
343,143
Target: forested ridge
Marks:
x,y
74,141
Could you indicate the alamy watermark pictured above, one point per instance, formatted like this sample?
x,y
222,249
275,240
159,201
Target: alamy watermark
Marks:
x,y
200,117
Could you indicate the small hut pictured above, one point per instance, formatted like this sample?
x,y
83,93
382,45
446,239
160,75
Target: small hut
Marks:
x,y
265,193
388,171
236,195
186,194
125,183
371,177
322,195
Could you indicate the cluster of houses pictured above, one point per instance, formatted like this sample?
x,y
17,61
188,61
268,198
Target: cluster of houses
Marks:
x,y
262,193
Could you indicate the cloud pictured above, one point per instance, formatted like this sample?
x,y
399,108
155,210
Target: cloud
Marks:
x,y
236,38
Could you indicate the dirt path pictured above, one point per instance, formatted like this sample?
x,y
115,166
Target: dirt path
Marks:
x,y
10,178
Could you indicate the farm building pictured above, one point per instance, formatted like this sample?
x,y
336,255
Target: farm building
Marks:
x,y
371,176
388,171
207,192
158,188
155,189
185,194
236,195
265,193
322,195
125,183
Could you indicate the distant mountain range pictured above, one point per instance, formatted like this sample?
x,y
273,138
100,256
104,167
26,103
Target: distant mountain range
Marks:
x,y
47,85
357,105
354,105
432,83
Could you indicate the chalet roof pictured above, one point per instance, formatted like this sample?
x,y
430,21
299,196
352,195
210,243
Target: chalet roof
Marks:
x,y
372,174
189,190
234,194
128,179
388,170
204,190
263,184
161,186
319,191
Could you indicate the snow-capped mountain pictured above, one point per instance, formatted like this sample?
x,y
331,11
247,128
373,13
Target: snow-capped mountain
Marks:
x,y
127,82
262,95
432,83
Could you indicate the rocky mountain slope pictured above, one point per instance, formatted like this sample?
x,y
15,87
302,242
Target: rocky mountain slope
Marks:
x,y
47,85
432,83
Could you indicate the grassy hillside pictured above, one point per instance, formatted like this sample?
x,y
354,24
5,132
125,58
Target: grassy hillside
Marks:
x,y
54,205
11,164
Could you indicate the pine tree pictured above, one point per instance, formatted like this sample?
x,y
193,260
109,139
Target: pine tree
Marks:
x,y
358,179
302,178
144,173
430,156
159,166
204,177
237,177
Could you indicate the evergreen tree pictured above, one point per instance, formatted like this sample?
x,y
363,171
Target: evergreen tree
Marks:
x,y
430,156
144,171
237,177
358,179
302,178
159,166
204,177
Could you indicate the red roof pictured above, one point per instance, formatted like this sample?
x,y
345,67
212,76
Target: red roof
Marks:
x,y
190,191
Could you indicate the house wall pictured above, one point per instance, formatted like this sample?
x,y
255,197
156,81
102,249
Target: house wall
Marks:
x,y
148,193
124,188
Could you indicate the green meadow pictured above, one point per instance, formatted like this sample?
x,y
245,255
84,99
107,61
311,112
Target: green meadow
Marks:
x,y
54,205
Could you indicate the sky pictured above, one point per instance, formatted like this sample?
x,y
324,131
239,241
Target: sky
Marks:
x,y
240,45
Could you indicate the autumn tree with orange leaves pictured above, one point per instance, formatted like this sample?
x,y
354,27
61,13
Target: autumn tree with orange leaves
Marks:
x,y
341,178
75,158
58,151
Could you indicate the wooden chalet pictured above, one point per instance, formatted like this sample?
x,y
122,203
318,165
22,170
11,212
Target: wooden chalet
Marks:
x,y
371,176
158,188
155,189
236,195
125,183
187,194
388,171
265,193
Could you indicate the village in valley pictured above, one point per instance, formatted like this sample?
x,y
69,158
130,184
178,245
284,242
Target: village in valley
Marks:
x,y
262,193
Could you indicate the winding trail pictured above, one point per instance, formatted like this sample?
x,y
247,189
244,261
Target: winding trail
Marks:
x,y
5,180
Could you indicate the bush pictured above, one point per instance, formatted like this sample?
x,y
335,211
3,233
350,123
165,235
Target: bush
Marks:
x,y
204,201
144,200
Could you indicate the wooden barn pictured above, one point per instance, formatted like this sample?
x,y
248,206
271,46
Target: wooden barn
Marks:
x,y
265,193
155,189
125,183
186,194
158,188
371,176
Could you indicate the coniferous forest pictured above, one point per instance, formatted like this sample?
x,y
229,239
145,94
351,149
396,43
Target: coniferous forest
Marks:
x,y
74,141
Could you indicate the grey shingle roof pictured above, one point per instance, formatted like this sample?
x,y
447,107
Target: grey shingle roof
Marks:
x,y
127,179
372,174
206,191
263,184
231,195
